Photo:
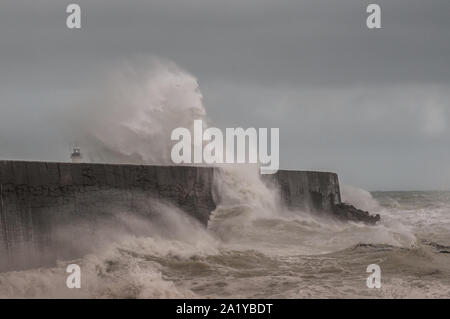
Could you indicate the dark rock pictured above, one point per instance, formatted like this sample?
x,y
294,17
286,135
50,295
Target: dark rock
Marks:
x,y
348,212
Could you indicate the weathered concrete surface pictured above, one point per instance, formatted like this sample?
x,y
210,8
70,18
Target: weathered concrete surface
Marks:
x,y
308,191
317,192
39,200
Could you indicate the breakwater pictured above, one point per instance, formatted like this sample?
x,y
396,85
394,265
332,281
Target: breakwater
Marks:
x,y
39,201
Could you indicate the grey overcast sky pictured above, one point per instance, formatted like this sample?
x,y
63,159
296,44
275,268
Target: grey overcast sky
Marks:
x,y
371,105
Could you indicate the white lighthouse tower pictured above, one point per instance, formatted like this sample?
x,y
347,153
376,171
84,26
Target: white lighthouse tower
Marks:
x,y
76,155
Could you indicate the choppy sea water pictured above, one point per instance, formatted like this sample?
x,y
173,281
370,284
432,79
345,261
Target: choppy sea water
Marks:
x,y
251,249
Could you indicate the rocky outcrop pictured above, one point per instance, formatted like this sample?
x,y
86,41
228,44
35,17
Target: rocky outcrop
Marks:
x,y
348,212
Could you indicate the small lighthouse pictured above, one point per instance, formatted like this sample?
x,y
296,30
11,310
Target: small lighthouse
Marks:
x,y
76,155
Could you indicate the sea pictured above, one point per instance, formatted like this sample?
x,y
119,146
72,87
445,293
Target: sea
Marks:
x,y
255,248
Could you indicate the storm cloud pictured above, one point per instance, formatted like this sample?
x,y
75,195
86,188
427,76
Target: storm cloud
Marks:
x,y
372,105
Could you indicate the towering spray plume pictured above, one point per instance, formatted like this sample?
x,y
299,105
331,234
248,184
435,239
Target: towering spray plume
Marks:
x,y
139,110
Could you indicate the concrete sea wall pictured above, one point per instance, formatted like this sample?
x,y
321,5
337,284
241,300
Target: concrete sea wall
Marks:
x,y
306,190
39,201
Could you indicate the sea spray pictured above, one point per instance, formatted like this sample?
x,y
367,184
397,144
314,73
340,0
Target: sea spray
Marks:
x,y
132,118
